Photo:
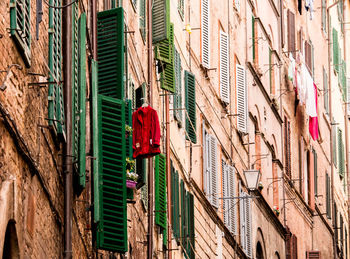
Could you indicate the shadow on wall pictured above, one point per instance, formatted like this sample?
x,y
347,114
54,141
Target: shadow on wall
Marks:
x,y
11,249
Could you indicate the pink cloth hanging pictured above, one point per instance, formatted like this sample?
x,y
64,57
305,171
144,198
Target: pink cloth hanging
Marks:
x,y
313,121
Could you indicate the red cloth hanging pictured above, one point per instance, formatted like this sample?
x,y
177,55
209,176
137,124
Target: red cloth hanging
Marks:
x,y
313,121
146,132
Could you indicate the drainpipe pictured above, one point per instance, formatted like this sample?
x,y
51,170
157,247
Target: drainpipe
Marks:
x,y
67,147
150,166
331,119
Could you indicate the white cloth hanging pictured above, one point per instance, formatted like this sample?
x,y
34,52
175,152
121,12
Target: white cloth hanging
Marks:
x,y
310,100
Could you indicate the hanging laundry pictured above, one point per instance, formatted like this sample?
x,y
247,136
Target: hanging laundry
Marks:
x,y
146,132
301,83
291,68
310,94
309,6
313,121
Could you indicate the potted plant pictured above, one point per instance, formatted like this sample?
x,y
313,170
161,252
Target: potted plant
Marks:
x,y
131,176
128,131
276,210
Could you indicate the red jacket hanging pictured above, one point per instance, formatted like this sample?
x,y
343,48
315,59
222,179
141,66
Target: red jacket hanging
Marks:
x,y
146,132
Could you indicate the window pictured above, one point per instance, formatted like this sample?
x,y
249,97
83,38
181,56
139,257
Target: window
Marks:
x,y
291,32
178,87
210,168
20,27
79,95
287,148
312,255
56,103
255,41
160,191
341,158
334,144
315,171
175,215
324,16
245,213
328,196
142,23
309,56
205,33
224,68
190,104
242,99
229,191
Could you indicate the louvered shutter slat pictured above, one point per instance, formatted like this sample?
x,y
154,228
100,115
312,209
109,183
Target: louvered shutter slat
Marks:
x,y
178,86
112,226
242,219
143,18
232,202
183,214
335,50
160,191
190,94
242,99
191,227
168,75
226,194
160,20
110,52
205,33
214,172
224,67
248,211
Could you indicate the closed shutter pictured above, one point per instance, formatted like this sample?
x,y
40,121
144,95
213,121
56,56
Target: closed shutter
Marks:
x,y
160,191
191,227
190,102
336,59
160,20
328,197
294,247
232,202
20,27
183,214
325,91
289,154
112,226
242,218
55,96
79,94
168,75
205,33
142,23
324,19
178,88
226,194
110,51
342,79
288,243
341,159
291,32
224,67
214,172
249,238
175,202
334,140
206,162
315,171
242,99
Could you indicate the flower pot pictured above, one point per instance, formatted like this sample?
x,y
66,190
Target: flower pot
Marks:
x,y
131,184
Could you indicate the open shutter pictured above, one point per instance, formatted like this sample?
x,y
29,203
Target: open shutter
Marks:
x,y
205,33
232,202
55,96
253,37
160,20
143,19
224,67
328,197
175,203
110,51
181,8
164,50
178,87
242,99
249,238
112,226
183,214
214,172
341,159
20,27
334,142
291,32
168,75
191,232
242,219
336,59
160,191
79,95
190,94
226,194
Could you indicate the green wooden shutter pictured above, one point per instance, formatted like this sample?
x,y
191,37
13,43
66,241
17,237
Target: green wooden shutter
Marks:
x,y
143,19
79,94
160,20
160,191
183,214
190,224
20,27
112,226
55,96
110,51
181,8
190,101
342,79
168,75
175,202
335,50
341,160
164,50
328,199
178,88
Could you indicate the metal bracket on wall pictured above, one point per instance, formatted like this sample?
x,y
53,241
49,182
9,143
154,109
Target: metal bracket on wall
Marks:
x,y
7,71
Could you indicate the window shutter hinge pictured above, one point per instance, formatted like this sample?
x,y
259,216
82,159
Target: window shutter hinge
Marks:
x,y
50,98
50,30
13,5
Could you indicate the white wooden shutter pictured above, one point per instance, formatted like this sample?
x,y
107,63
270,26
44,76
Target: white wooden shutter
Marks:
x,y
214,172
348,94
226,195
242,220
206,163
248,216
242,100
224,67
232,202
205,33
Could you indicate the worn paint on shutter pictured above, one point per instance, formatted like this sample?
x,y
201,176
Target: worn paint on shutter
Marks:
x,y
224,68
168,75
232,203
110,52
214,172
160,191
178,88
55,96
20,27
160,20
242,99
205,33
328,200
190,94
112,226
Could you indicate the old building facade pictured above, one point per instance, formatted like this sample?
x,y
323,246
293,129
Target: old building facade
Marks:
x,y
230,84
